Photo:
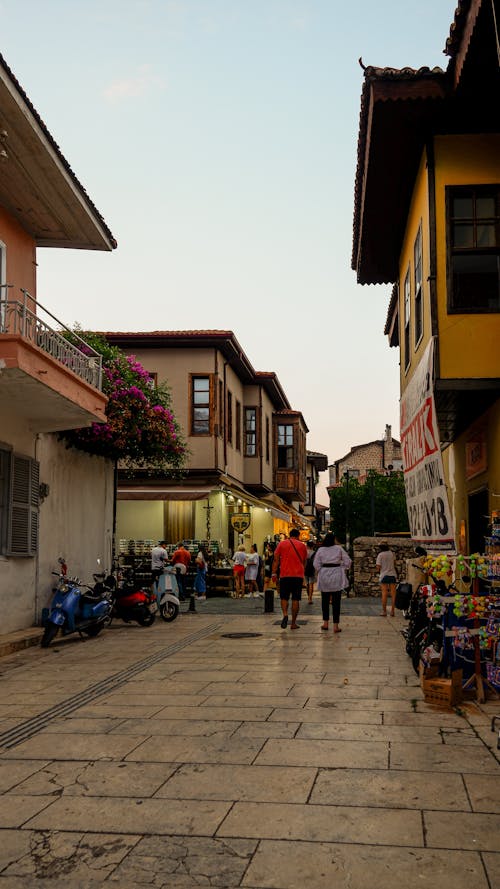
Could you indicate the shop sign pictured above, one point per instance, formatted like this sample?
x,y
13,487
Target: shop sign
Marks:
x,y
426,495
240,521
476,456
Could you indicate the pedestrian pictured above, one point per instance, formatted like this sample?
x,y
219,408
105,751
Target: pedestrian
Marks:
x,y
158,560
251,571
181,559
239,560
290,559
200,584
332,563
268,564
310,572
387,577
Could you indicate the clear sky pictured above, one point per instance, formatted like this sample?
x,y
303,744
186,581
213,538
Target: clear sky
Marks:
x,y
218,139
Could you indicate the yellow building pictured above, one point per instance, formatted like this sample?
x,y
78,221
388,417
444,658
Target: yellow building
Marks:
x,y
427,221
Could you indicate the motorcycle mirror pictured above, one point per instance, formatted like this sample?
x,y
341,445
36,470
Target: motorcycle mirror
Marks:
x,y
465,578
420,551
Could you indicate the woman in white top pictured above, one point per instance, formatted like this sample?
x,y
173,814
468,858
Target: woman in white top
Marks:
x,y
239,560
387,577
251,572
331,562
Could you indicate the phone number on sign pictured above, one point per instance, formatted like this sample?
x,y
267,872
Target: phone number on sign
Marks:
x,y
428,518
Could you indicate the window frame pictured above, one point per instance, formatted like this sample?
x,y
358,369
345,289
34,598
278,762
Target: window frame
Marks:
x,y
452,191
418,287
268,439
208,404
407,319
237,441
289,449
229,417
250,432
3,283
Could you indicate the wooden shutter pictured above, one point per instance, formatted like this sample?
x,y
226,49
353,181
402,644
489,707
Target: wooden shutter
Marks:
x,y
23,506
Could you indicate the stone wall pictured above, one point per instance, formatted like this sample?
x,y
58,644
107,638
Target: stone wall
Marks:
x,y
366,549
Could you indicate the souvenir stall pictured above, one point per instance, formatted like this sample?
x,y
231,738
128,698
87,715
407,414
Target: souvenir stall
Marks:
x,y
468,612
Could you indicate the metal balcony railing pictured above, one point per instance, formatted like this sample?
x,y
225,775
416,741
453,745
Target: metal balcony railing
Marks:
x,y
22,317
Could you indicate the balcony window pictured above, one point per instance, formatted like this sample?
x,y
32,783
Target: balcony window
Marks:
x,y
268,440
474,248
285,447
238,426
200,407
229,418
250,432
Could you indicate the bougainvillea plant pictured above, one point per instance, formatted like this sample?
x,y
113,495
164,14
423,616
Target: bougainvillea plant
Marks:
x,y
140,431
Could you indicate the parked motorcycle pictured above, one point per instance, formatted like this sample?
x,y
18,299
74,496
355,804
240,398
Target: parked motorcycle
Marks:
x,y
168,600
75,608
131,601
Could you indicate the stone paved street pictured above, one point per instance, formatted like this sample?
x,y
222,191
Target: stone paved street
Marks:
x,y
184,756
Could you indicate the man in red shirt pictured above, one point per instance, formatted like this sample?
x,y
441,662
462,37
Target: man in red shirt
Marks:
x,y
181,559
290,555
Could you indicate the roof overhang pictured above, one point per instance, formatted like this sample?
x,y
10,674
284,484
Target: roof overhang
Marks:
x,y
37,185
398,114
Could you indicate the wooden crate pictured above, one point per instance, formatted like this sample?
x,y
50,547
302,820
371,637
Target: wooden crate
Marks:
x,y
442,692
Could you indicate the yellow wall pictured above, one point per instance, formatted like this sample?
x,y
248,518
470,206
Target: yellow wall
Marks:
x,y
139,520
419,213
459,487
468,343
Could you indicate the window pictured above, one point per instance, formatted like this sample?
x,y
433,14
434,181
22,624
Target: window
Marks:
x,y
417,280
221,409
267,440
3,287
19,501
250,432
285,447
153,379
229,418
238,426
407,312
474,248
310,491
200,416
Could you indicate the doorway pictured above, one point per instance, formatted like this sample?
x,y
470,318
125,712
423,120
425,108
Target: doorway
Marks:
x,y
479,520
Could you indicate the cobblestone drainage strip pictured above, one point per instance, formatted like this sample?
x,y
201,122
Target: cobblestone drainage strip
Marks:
x,y
240,635
30,727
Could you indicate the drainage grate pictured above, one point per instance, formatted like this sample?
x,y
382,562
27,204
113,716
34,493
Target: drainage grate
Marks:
x,y
240,635
32,726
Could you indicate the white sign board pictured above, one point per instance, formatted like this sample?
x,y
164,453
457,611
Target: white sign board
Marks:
x,y
426,494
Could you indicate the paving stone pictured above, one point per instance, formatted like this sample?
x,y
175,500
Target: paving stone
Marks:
x,y
50,857
326,754
267,730
291,865
73,746
463,830
492,866
357,732
16,810
97,779
238,713
185,862
181,749
13,773
389,789
114,815
158,727
332,713
439,758
77,724
332,824
248,783
484,791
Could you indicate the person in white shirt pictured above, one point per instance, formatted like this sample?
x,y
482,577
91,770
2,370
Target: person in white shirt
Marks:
x,y
158,560
239,560
387,577
332,563
251,572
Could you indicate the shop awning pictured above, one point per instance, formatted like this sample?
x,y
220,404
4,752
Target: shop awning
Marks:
x,y
173,493
279,509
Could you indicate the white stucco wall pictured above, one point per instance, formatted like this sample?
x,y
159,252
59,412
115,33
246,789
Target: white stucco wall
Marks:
x,y
76,519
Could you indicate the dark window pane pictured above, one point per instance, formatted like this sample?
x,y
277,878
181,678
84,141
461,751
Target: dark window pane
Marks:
x,y
463,235
476,282
201,413
486,234
462,207
485,207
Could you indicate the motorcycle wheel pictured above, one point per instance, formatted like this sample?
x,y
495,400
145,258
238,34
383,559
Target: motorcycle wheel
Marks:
x,y
169,611
50,633
145,618
93,630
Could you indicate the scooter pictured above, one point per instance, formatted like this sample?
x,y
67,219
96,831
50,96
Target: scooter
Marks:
x,y
75,608
168,600
131,601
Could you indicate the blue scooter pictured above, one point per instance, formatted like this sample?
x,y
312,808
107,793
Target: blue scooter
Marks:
x,y
73,610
